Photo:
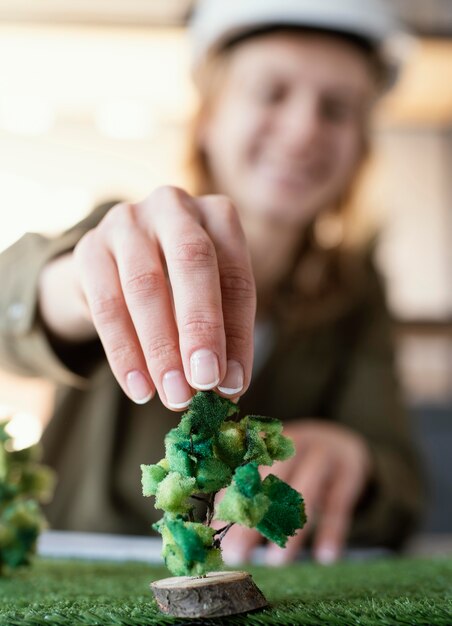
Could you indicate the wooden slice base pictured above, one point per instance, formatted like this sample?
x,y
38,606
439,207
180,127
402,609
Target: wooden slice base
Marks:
x,y
215,595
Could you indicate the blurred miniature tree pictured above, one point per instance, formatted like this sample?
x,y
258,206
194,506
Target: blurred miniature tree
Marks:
x,y
209,450
23,483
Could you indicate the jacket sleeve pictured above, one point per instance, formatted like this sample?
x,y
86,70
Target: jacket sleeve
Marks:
x,y
369,402
25,346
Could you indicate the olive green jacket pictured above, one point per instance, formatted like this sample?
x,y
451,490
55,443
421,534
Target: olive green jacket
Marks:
x,y
342,371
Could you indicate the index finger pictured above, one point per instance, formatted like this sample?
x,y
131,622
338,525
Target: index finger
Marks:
x,y
173,219
238,291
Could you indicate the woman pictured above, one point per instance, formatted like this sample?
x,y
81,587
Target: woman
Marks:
x,y
167,289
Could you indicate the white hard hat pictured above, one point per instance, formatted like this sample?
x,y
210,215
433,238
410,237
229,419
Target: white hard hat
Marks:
x,y
217,22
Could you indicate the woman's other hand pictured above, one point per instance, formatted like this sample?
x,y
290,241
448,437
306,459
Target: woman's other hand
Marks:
x,y
331,469
167,285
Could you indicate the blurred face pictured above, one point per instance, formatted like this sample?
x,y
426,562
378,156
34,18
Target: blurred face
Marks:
x,y
285,133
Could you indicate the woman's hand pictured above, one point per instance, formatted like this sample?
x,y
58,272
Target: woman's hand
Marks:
x,y
167,285
331,469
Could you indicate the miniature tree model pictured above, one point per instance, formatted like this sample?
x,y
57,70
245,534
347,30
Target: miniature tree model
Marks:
x,y
23,482
209,450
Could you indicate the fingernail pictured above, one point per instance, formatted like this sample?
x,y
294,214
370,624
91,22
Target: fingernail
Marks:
x,y
276,556
326,555
176,389
205,371
232,383
139,387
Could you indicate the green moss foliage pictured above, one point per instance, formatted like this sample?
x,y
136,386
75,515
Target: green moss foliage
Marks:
x,y
23,482
151,477
210,450
188,546
212,475
173,493
207,412
265,441
244,501
285,514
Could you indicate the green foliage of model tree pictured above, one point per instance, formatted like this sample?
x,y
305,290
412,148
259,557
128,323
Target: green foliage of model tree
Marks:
x,y
209,450
23,483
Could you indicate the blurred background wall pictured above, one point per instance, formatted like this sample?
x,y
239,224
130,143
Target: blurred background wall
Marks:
x,y
94,96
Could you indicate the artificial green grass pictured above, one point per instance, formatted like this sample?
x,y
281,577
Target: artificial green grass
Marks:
x,y
389,591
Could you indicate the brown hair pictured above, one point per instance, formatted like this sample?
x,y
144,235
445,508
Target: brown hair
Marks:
x,y
327,272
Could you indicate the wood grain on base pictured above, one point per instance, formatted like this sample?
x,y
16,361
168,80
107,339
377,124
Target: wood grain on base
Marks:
x,y
217,594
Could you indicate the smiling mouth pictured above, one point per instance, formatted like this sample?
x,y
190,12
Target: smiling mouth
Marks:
x,y
290,176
